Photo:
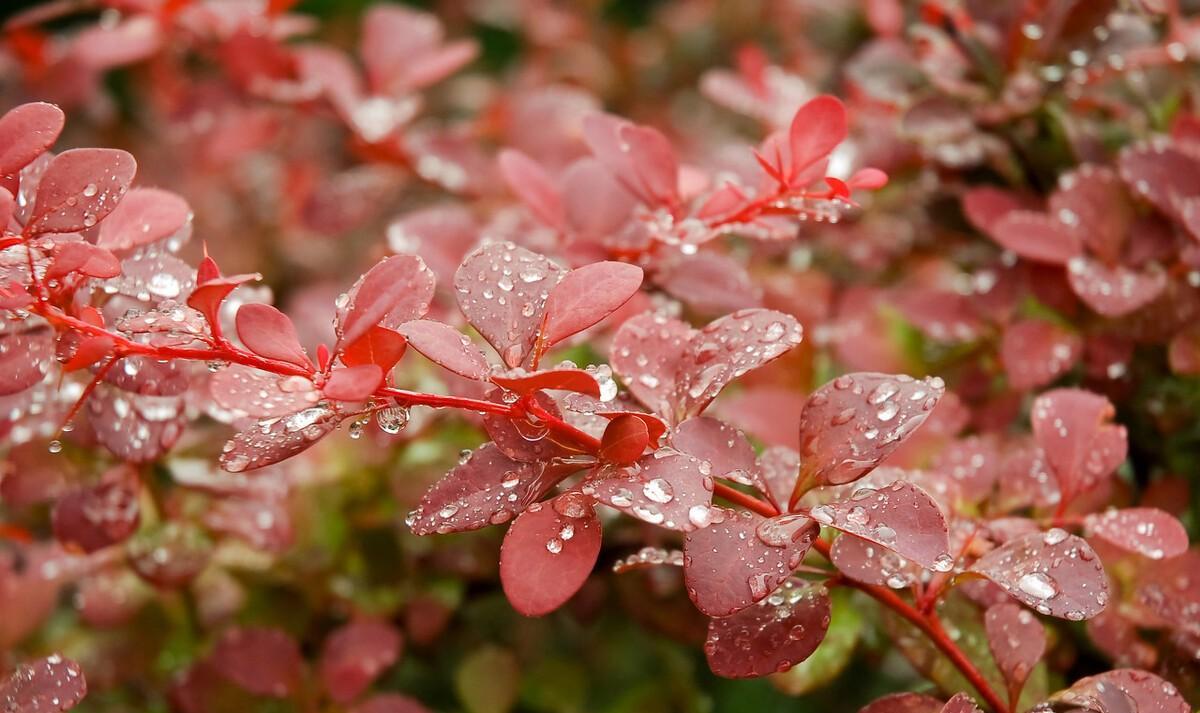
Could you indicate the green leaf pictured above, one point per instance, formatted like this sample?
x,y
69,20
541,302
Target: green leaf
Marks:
x,y
834,653
555,685
487,681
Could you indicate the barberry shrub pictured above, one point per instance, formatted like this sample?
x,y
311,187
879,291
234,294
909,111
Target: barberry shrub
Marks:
x,y
629,334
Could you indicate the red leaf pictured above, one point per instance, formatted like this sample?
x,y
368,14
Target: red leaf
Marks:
x,y
272,440
900,517
533,186
1160,174
1091,201
1082,447
625,440
502,290
353,383
665,488
50,684
1054,572
1149,532
1036,236
390,703
25,357
84,258
1017,640
396,290
961,703
647,351
135,427
445,345
985,206
1122,690
355,654
548,553
741,557
769,638
524,438
867,562
26,132
262,661
145,216
208,296
269,333
79,188
487,489
379,347
816,130
585,296
574,380
1036,352
855,421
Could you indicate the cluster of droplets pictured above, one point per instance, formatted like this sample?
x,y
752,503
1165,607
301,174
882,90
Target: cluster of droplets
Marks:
x,y
648,557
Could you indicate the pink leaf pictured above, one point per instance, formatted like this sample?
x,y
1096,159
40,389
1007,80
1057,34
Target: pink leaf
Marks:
x,y
262,661
502,290
488,489
1036,236
77,256
646,352
250,392
1082,447
741,557
665,488
355,654
1017,640
900,517
1036,352
145,216
585,296
816,130
729,347
135,427
986,205
1124,689
961,703
79,188
25,357
778,468
533,186
1115,291
269,333
50,684
1091,201
1149,532
396,290
867,562
26,132
274,439
354,383
769,638
1054,572
548,553
852,423
445,345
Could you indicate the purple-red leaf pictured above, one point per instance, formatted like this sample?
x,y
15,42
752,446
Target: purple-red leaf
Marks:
x,y
262,661
726,449
249,392
904,703
1056,573
900,517
1017,640
1036,352
1149,532
51,684
769,637
98,516
269,333
1036,236
488,489
274,439
741,557
852,423
445,345
1124,690
548,553
1115,290
355,654
585,296
502,290
665,488
79,188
